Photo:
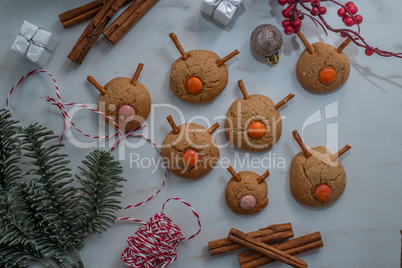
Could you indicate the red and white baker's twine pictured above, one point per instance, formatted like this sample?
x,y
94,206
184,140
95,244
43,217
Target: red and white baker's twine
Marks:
x,y
122,135
155,243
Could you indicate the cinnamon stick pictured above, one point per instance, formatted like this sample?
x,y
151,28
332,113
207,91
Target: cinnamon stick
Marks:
x,y
178,46
252,259
285,100
215,245
173,124
213,128
303,147
279,255
94,30
96,85
263,177
341,152
137,73
79,14
306,43
82,13
343,45
271,238
130,16
243,89
234,174
228,57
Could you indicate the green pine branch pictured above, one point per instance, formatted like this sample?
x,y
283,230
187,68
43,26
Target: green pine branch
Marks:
x,y
9,169
42,217
49,184
100,181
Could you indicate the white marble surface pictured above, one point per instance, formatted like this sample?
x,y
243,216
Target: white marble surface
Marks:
x,y
360,230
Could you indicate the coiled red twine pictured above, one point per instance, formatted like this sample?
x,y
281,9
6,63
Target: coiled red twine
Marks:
x,y
155,243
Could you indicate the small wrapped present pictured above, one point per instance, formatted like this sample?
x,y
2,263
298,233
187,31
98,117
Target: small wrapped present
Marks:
x,y
221,10
35,43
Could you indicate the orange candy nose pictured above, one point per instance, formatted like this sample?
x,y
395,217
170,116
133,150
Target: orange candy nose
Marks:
x,y
322,192
256,130
327,75
194,85
191,158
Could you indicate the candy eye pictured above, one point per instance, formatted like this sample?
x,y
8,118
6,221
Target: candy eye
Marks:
x,y
126,113
194,85
256,130
191,158
327,75
248,202
323,192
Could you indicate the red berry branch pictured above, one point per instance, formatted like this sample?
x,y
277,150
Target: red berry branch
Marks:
x,y
297,10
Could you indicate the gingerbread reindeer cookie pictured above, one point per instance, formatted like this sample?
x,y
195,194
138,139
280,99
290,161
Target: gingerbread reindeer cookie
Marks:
x,y
317,178
189,150
125,100
322,67
253,123
198,75
246,192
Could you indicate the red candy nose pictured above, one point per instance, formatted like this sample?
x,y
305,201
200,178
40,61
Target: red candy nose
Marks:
x,y
191,158
323,192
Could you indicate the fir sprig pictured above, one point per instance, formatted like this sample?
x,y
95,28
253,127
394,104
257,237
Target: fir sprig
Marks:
x,y
99,187
42,218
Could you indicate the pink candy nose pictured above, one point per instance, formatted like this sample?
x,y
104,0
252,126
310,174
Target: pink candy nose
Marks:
x,y
248,202
126,113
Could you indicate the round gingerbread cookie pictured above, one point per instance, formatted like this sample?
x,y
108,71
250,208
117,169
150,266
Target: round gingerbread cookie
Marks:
x,y
307,175
243,113
193,140
324,70
201,67
122,99
246,196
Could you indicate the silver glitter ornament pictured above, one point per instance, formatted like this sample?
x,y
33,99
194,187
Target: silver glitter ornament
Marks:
x,y
266,40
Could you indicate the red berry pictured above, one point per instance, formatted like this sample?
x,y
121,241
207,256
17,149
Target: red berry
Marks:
x,y
348,21
359,19
288,30
352,9
296,23
291,7
348,4
323,10
296,29
286,13
369,51
282,2
315,4
342,12
315,11
343,35
285,23
291,1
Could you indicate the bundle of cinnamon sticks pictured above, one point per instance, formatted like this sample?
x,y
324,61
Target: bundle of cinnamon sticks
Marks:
x,y
101,12
264,245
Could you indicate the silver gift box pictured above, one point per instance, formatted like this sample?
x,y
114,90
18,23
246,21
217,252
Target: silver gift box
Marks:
x,y
221,10
34,43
